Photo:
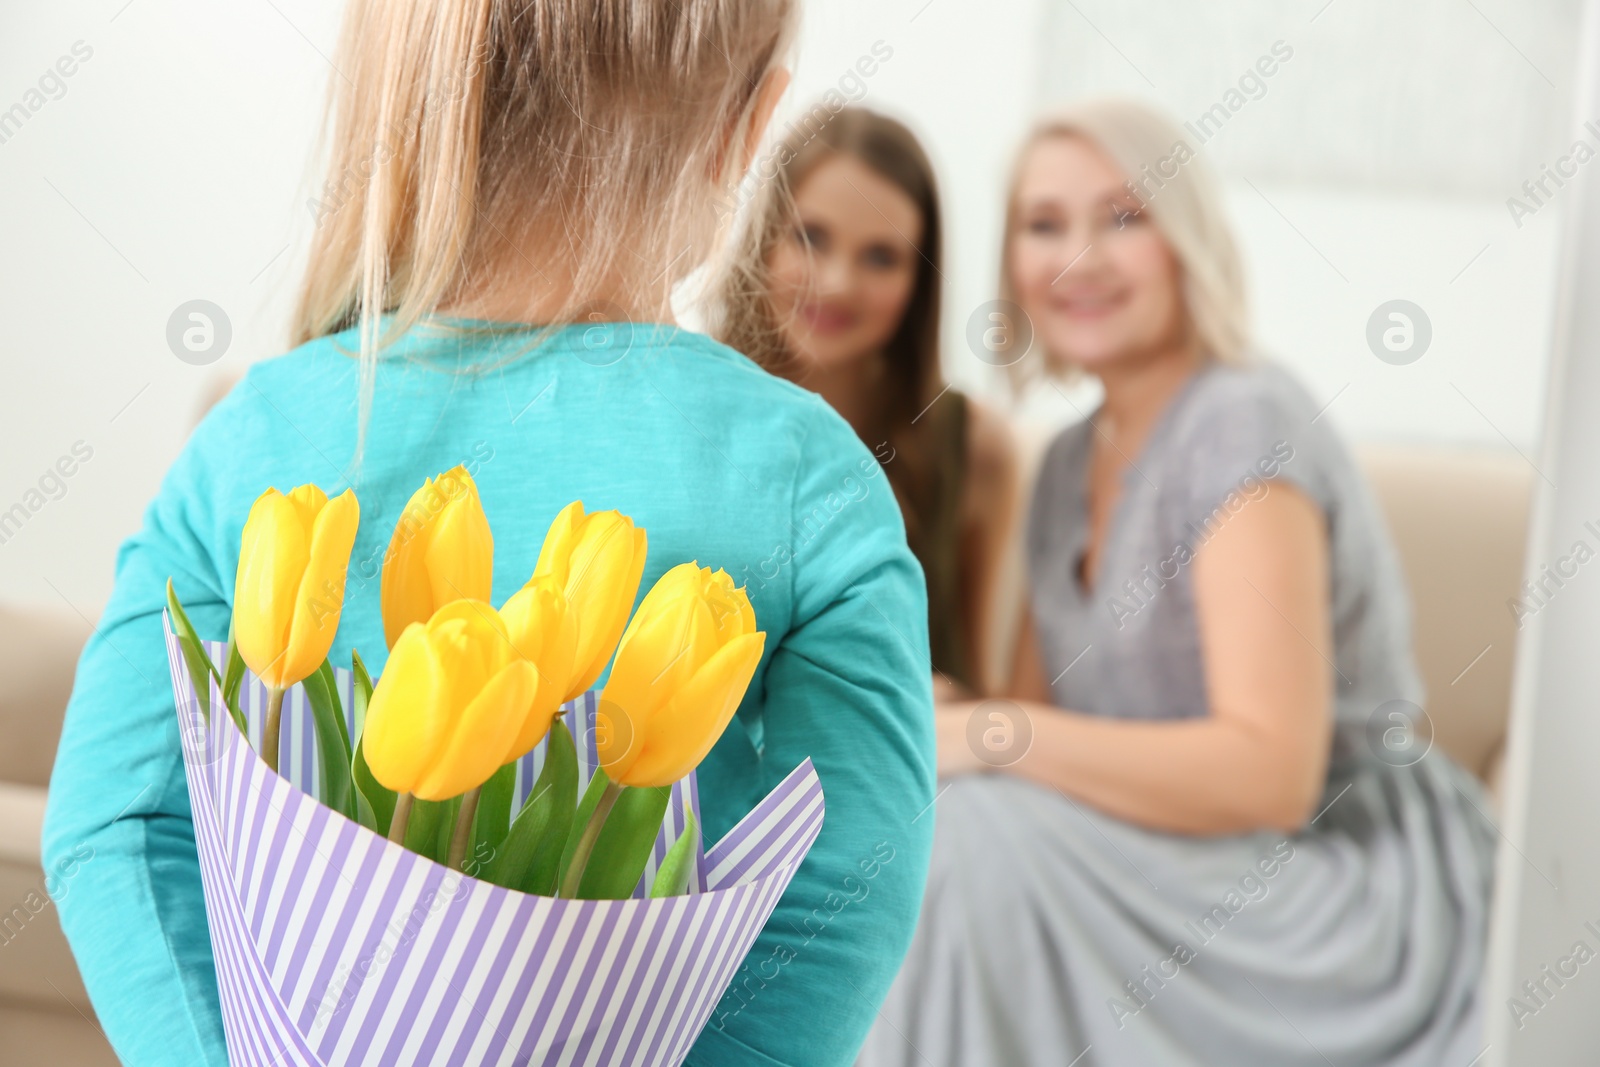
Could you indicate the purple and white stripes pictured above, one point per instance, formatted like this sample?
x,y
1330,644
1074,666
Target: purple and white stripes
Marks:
x,y
335,946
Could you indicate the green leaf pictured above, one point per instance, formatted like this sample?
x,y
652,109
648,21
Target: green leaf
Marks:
x,y
428,829
233,681
331,681
530,855
201,669
364,813
448,810
374,803
333,742
625,842
371,794
580,819
672,878
362,688
493,817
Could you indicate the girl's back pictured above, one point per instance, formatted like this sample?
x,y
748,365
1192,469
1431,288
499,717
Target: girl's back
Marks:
x,y
516,164
719,461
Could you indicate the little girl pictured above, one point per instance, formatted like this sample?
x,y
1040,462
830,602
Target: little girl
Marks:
x,y
516,187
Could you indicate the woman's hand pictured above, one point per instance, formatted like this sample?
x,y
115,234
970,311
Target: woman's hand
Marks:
x,y
956,755
946,690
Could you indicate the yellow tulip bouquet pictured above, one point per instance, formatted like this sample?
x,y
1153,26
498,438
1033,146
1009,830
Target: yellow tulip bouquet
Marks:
x,y
470,752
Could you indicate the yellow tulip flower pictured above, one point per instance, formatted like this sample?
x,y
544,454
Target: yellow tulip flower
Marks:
x,y
450,704
544,631
597,561
442,550
289,590
681,671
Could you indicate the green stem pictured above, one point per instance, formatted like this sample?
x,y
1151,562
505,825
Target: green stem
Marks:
x,y
463,834
402,815
591,834
269,733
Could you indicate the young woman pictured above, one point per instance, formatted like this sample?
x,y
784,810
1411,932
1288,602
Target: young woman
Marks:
x,y
847,236
491,286
1203,842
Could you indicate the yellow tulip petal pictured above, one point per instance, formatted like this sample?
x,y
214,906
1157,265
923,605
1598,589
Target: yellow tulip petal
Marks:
x,y
558,542
670,638
619,737
675,585
541,712
561,658
470,638
405,593
482,733
544,630
745,620
533,615
685,730
665,648
320,598
441,550
308,501
272,559
407,723
730,609
602,584
459,557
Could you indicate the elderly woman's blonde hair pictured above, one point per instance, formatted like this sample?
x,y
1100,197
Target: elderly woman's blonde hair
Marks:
x,y
1180,195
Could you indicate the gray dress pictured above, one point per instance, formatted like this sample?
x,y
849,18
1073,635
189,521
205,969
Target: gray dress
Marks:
x,y
1054,934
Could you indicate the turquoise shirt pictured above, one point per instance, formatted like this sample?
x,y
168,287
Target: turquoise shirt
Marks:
x,y
719,461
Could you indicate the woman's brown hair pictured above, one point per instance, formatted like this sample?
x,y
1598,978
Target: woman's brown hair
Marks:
x,y
742,315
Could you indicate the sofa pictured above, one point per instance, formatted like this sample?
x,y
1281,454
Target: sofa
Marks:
x,y
45,1015
1458,516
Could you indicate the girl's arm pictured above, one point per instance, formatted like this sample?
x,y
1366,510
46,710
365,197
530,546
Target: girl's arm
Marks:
x,y
118,815
848,686
1259,759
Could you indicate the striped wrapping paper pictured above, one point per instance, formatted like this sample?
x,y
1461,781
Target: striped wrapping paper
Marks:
x,y
335,946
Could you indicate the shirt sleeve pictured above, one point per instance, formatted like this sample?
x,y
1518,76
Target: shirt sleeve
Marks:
x,y
118,837
850,686
1249,430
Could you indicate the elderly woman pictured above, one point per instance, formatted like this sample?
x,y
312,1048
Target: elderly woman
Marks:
x,y
1200,836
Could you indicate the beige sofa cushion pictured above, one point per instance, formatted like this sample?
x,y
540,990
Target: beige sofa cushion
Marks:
x,y
38,658
38,979
1460,520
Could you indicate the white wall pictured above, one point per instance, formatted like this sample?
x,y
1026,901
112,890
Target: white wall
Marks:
x,y
170,169
964,77
1481,381
1374,163
176,167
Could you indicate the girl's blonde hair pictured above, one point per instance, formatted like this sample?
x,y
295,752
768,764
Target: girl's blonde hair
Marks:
x,y
469,132
1179,193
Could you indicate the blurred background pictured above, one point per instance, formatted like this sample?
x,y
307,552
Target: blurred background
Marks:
x,y
1375,164
1395,154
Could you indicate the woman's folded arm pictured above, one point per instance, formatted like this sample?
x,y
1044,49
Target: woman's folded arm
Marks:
x,y
1258,760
